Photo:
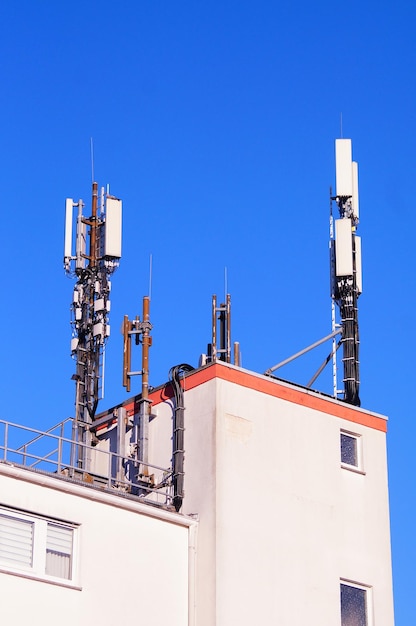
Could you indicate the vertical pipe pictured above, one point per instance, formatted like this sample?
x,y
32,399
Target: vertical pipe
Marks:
x,y
237,354
145,349
93,236
333,289
121,439
214,328
192,558
73,449
228,321
126,353
6,440
144,402
222,325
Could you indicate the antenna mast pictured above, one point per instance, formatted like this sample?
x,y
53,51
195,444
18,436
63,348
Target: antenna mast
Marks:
x,y
91,301
220,347
346,280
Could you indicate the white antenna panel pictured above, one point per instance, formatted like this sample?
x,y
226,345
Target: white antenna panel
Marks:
x,y
355,204
358,265
81,243
97,329
68,227
99,305
343,247
112,247
343,167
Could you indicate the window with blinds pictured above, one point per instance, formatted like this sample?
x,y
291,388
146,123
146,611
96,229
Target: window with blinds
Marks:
x,y
16,541
35,545
59,550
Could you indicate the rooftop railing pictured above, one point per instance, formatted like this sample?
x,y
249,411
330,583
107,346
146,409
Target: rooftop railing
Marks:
x,y
56,452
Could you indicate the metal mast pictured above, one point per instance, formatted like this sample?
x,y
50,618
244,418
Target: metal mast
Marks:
x,y
220,346
97,255
346,281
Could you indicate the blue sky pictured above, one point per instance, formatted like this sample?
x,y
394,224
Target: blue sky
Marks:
x,y
215,123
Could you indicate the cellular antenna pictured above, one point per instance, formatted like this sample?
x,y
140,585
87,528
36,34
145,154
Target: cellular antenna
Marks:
x,y
95,257
346,275
346,281
220,347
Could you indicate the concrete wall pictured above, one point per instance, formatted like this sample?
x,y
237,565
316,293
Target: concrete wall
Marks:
x,y
132,561
281,521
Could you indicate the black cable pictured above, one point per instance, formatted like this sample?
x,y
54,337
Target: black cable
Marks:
x,y
178,456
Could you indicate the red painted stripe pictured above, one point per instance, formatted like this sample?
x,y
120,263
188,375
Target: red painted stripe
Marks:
x,y
270,387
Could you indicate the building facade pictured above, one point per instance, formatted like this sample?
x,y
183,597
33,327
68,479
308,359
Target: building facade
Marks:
x,y
284,520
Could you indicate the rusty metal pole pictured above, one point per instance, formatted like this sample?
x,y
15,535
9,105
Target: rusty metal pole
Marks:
x,y
145,350
126,353
144,401
237,354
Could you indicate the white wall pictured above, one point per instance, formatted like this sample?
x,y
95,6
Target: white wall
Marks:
x,y
133,566
281,522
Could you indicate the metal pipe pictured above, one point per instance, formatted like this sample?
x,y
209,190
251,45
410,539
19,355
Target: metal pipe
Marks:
x,y
146,342
301,352
126,353
228,323
121,443
324,364
214,328
144,401
237,354
93,223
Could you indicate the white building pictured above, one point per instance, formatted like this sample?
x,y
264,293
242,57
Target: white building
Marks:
x,y
285,517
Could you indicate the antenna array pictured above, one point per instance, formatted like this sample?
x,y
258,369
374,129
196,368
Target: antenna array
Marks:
x,y
220,346
95,257
346,280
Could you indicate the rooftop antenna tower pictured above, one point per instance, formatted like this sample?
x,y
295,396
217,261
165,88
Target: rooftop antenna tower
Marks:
x,y
92,260
220,347
140,331
346,276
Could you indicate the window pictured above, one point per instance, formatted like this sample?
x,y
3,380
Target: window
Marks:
x,y
354,605
351,449
36,546
58,551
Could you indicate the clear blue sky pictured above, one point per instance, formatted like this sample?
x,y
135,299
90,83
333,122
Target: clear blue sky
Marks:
x,y
214,122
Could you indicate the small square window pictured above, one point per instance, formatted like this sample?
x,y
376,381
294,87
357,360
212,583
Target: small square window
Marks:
x,y
354,605
351,453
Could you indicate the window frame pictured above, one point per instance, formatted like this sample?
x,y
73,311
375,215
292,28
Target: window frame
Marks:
x,y
37,569
368,598
359,467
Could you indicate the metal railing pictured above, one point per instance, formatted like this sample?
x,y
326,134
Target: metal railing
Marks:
x,y
56,450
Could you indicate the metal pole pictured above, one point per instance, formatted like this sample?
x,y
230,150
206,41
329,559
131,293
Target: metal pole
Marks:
x,y
301,352
228,322
144,402
214,328
93,224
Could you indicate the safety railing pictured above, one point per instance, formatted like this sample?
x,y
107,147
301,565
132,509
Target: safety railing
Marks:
x,y
57,450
